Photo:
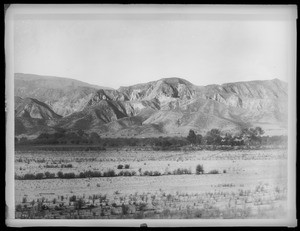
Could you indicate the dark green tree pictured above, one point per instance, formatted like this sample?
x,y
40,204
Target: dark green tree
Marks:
x,y
192,137
199,139
213,136
252,135
199,169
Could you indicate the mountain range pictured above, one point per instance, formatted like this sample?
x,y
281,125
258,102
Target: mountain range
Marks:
x,y
166,107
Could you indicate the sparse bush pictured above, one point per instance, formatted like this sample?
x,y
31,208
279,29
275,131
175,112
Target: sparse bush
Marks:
x,y
120,166
127,173
127,166
213,172
66,166
72,198
181,171
156,173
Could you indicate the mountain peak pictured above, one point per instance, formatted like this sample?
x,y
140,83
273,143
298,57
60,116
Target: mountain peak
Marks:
x,y
175,80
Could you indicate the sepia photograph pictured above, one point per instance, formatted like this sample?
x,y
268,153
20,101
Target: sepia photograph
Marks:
x,y
150,115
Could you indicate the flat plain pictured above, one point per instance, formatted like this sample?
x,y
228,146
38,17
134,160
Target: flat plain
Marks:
x,y
159,184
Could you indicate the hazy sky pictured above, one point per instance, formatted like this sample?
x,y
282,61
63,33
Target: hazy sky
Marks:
x,y
118,51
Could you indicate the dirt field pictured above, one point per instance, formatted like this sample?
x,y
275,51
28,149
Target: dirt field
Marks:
x,y
249,184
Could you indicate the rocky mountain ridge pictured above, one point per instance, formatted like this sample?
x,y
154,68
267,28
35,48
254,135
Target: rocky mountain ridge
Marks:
x,y
169,106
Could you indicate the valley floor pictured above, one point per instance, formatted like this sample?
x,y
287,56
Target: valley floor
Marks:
x,y
249,184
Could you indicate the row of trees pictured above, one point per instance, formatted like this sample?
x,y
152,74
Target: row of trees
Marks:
x,y
248,136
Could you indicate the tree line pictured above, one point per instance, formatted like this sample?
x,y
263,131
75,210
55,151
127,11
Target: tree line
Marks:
x,y
247,137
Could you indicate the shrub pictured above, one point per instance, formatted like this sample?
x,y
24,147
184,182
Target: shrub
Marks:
x,y
39,176
67,166
47,174
181,171
109,173
142,206
96,174
29,176
24,200
88,174
199,169
156,173
121,173
224,171
127,173
146,173
81,175
120,166
60,174
213,172
125,209
133,173
19,208
17,177
79,204
72,198
69,175
198,213
127,166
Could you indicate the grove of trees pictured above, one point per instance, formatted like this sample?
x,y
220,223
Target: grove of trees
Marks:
x,y
247,137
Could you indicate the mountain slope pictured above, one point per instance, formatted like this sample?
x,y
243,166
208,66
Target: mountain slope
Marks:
x,y
169,106
63,95
102,109
33,116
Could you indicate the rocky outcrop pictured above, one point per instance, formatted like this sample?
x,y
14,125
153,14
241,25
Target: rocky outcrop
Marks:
x,y
160,90
33,116
35,109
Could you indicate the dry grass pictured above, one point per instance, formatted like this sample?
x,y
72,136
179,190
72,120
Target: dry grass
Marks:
x,y
253,185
